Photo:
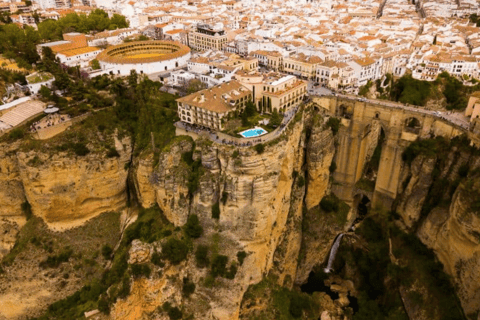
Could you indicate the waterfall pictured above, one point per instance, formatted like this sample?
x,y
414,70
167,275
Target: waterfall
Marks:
x,y
333,252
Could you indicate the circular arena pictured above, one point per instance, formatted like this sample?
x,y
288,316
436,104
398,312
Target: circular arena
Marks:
x,y
144,57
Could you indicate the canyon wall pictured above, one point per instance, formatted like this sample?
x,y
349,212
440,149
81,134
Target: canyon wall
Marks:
x,y
63,189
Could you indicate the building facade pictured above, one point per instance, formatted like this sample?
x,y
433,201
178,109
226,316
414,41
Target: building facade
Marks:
x,y
208,107
205,37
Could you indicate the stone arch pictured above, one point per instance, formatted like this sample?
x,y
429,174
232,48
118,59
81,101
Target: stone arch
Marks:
x,y
412,124
345,111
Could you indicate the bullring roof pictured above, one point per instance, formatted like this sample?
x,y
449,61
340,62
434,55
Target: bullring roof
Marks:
x,y
143,52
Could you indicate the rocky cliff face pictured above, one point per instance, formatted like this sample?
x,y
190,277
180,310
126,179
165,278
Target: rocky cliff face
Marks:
x,y
417,179
62,189
450,227
454,235
254,192
320,153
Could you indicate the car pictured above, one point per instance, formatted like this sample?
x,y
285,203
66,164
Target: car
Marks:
x,y
316,84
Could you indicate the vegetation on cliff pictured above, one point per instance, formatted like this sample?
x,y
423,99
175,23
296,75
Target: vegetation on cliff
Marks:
x,y
268,300
382,277
443,187
408,90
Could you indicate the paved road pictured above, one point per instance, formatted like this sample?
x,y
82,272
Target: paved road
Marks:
x,y
454,117
317,90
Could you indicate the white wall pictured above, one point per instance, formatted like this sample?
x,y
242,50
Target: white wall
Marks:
x,y
154,67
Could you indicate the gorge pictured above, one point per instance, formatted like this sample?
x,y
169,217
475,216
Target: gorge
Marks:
x,y
296,207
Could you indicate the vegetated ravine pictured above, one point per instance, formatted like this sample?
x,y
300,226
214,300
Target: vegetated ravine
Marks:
x,y
226,232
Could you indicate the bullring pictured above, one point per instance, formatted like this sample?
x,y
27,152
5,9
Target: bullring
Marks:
x,y
144,57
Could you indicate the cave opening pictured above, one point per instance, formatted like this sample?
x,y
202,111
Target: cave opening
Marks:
x,y
362,208
316,283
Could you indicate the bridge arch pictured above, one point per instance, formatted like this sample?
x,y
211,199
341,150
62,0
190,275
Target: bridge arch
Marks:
x,y
412,124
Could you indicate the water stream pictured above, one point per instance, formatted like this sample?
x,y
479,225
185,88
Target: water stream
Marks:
x,y
333,252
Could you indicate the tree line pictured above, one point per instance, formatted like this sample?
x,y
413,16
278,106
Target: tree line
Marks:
x,y
20,43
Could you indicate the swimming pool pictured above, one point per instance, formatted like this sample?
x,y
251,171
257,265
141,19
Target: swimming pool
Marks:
x,y
255,132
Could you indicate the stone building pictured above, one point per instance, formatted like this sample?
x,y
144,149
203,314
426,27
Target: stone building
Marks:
x,y
208,107
205,37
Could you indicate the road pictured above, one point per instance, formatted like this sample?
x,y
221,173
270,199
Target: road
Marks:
x,y
454,117
317,90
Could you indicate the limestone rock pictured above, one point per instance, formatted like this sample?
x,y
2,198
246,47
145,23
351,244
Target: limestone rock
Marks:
x,y
139,252
416,191
320,153
454,236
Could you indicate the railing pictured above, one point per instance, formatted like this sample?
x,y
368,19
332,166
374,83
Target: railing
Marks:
x,y
220,137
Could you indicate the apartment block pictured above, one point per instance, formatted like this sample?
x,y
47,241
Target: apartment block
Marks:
x,y
205,37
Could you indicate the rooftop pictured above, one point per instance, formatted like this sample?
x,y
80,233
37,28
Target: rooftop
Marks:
x,y
217,99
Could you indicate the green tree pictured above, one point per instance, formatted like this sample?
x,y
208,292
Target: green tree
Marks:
x,y
245,122
250,109
45,92
95,64
133,78
193,228
260,148
175,250
194,85
216,211
276,118
219,266
201,256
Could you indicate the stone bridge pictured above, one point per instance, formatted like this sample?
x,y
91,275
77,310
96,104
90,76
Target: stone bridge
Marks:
x,y
362,124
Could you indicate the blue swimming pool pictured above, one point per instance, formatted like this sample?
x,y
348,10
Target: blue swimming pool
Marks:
x,y
255,132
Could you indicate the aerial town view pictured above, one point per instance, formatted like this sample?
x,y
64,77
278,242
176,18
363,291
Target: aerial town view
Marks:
x,y
240,159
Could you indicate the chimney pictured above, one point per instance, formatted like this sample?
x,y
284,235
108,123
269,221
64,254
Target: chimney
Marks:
x,y
202,97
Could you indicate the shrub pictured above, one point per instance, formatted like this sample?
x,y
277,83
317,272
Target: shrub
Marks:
x,y
157,259
334,124
235,154
219,265
175,313
241,255
16,134
216,211
232,271
300,181
193,228
188,287
107,252
141,270
103,306
201,256
260,148
298,303
112,153
329,203
80,149
175,250
56,260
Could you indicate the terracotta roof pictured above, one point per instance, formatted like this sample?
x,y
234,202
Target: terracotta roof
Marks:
x,y
77,51
217,99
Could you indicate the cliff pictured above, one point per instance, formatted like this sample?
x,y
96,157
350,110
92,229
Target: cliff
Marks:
x,y
63,189
254,193
454,234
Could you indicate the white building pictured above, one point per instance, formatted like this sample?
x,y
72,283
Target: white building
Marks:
x,y
38,79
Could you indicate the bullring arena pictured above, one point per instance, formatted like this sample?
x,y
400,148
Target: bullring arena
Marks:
x,y
144,57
